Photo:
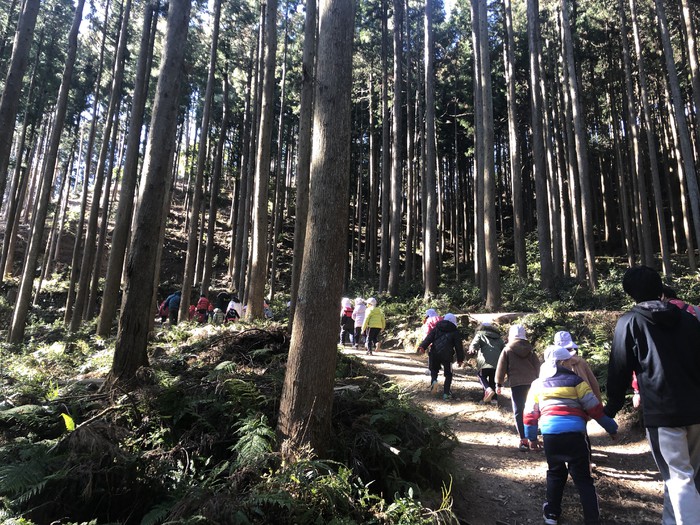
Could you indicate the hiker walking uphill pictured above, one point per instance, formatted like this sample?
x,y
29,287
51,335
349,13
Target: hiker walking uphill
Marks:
x,y
487,345
520,364
560,402
373,324
661,343
446,342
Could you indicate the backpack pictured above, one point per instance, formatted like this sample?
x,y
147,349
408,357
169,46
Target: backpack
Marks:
x,y
691,309
443,347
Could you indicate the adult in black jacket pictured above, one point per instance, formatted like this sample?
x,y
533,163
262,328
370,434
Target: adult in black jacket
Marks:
x,y
661,343
446,341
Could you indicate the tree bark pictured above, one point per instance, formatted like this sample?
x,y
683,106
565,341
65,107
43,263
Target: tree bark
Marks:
x,y
132,337
36,241
307,394
80,306
258,263
514,146
689,172
9,102
581,148
120,235
196,204
429,182
543,235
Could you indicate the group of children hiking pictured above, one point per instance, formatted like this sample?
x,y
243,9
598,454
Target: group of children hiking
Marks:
x,y
554,398
362,321
227,307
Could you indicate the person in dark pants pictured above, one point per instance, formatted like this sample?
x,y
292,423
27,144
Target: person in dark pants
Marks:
x,y
487,346
558,402
446,342
521,365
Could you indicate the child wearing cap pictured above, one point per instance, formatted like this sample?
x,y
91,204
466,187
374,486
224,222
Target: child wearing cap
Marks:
x,y
560,402
487,345
446,342
576,363
521,365
373,324
430,319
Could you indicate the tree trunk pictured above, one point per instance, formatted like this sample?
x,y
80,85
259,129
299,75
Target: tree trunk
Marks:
x,y
258,263
280,175
78,245
132,337
691,39
429,182
9,102
214,193
581,147
86,266
307,394
514,146
36,241
120,235
196,204
385,246
543,235
679,110
397,152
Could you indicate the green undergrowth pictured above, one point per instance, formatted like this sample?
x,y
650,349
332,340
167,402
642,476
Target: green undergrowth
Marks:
x,y
196,443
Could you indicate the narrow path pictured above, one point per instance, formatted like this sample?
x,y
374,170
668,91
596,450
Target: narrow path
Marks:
x,y
496,484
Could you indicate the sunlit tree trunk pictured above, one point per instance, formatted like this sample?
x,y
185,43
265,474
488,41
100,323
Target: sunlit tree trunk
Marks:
x,y
581,147
689,172
196,205
36,241
214,193
429,183
303,148
80,307
258,262
385,245
9,101
132,337
539,174
125,209
514,146
78,244
307,395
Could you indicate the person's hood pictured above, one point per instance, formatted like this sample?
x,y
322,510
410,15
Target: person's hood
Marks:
x,y
446,326
659,312
489,330
520,347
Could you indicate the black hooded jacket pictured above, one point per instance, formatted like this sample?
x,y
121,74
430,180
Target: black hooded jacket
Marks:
x,y
446,341
661,344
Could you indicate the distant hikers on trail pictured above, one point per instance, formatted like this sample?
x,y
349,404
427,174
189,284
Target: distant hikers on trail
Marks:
x,y
169,308
445,344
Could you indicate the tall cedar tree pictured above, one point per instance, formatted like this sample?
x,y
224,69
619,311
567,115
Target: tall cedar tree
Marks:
x,y
132,337
307,395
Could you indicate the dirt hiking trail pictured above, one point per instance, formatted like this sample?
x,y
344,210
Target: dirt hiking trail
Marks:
x,y
497,484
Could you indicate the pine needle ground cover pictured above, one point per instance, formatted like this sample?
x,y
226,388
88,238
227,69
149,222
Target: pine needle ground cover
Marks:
x,y
196,442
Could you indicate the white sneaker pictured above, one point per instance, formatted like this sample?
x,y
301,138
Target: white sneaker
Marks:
x,y
488,395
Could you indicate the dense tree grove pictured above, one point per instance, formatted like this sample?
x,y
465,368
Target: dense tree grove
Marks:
x,y
472,127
